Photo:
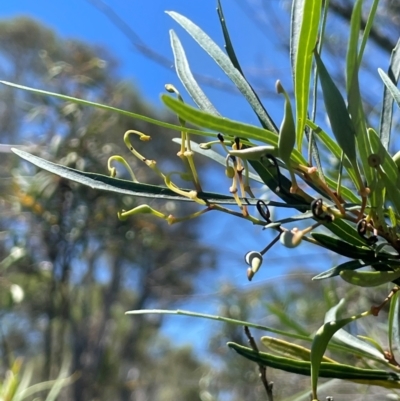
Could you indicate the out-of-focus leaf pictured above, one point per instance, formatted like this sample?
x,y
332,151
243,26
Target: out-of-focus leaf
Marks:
x,y
286,320
186,76
333,370
387,104
215,317
226,65
288,349
309,15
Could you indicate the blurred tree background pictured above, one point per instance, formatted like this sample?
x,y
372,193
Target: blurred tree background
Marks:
x,y
79,268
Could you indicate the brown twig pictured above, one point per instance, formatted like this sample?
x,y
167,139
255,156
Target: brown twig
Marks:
x,y
263,369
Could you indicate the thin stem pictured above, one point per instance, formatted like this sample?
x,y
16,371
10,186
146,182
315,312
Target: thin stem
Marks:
x,y
263,369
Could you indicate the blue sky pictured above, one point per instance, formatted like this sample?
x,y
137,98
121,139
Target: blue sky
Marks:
x,y
81,20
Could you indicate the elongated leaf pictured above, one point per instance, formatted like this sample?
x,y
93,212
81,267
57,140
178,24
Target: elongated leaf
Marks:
x,y
107,108
342,126
232,56
355,105
393,323
344,248
226,65
320,343
335,271
228,43
391,86
286,320
187,78
306,42
106,183
230,127
333,370
367,29
387,104
215,317
296,18
288,349
396,323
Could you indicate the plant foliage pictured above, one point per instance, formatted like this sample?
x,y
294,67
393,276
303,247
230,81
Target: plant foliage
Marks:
x,y
354,213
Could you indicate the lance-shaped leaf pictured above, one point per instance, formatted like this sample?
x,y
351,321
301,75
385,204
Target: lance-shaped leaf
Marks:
x,y
350,341
335,271
226,65
387,104
332,370
106,108
186,76
342,126
391,86
308,13
321,340
106,183
344,248
355,105
225,125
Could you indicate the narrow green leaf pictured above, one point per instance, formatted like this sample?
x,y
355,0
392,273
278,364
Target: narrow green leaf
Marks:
x,y
286,320
396,324
367,29
226,65
342,126
387,104
106,183
346,232
288,349
187,78
306,42
355,105
348,339
335,271
228,43
296,18
215,317
107,108
369,279
333,370
225,125
232,56
393,322
390,85
321,340
344,248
